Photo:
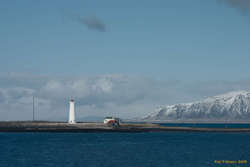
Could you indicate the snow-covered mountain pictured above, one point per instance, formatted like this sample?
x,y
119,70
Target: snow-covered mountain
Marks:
x,y
230,106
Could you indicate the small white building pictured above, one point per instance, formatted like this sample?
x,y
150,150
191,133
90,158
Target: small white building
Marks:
x,y
72,112
112,121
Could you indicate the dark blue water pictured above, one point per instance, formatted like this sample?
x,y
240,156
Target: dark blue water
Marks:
x,y
164,149
207,125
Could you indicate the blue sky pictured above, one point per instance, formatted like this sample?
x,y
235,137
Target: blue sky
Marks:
x,y
121,58
184,40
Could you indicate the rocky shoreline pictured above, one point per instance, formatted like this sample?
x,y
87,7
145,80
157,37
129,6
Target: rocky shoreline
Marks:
x,y
39,126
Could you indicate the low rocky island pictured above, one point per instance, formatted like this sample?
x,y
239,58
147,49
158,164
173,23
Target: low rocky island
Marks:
x,y
44,126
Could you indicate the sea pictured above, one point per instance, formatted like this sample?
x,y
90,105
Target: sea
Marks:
x,y
151,149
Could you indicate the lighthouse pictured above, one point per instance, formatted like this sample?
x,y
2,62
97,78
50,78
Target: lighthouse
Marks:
x,y
72,112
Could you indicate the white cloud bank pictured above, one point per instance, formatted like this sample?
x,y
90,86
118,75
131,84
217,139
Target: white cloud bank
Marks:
x,y
118,95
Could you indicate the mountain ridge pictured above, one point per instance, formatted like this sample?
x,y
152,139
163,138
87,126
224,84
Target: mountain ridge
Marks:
x,y
229,106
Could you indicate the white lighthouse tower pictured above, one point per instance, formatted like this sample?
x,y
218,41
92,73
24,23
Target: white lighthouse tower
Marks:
x,y
72,112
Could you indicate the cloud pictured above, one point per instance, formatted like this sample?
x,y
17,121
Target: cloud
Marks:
x,y
242,5
93,23
118,95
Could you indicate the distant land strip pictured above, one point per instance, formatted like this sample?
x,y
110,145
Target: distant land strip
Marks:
x,y
29,126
